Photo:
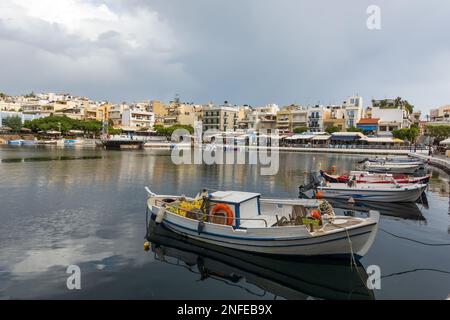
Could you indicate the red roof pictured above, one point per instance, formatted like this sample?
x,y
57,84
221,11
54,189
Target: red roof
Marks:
x,y
369,121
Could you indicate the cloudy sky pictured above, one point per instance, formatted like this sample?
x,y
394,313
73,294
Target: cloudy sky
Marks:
x,y
249,51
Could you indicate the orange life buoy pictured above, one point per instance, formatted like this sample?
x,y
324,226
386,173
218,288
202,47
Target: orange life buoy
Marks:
x,y
219,208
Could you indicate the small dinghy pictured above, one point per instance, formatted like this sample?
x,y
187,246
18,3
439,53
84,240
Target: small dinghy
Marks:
x,y
371,192
367,177
244,221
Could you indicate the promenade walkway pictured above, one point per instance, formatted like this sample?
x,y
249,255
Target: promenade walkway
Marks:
x,y
437,161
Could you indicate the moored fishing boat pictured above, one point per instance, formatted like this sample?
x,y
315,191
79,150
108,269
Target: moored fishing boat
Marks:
x,y
371,192
367,177
391,167
244,221
15,142
29,142
398,160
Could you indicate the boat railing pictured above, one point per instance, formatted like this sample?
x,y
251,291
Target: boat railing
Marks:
x,y
200,216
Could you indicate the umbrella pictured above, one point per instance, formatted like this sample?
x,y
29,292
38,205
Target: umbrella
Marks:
x,y
5,128
446,141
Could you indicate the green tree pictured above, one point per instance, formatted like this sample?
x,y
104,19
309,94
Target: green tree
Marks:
x,y
15,123
300,130
332,129
408,134
354,129
162,131
440,132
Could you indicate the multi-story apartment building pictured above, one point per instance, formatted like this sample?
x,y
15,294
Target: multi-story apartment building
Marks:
x,y
284,121
220,118
187,114
299,118
440,115
336,118
134,118
115,114
317,115
353,111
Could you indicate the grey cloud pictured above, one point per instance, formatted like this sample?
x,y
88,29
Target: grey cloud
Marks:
x,y
249,51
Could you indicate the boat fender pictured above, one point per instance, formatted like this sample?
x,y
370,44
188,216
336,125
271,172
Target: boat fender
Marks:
x,y
200,227
319,195
316,214
160,215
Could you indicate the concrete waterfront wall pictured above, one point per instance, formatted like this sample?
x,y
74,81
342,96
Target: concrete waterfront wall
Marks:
x,y
440,163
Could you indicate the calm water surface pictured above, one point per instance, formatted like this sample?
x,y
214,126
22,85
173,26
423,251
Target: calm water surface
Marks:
x,y
60,207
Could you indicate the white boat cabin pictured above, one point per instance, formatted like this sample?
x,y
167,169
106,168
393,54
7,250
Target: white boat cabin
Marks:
x,y
244,205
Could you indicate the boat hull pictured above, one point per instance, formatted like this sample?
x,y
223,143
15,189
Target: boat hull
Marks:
x,y
374,179
291,241
407,194
15,142
409,169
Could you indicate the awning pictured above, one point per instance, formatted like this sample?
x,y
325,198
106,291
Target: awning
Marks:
x,y
380,140
446,142
346,138
321,138
368,127
301,137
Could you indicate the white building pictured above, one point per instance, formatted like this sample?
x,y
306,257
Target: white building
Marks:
x,y
316,116
136,118
353,111
390,118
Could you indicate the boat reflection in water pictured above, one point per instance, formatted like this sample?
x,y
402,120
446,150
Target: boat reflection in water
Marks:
x,y
289,278
405,210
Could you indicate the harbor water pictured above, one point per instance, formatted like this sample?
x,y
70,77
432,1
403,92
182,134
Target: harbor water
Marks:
x,y
87,207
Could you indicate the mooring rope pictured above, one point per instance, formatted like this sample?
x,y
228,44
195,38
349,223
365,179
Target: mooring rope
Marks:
x,y
417,241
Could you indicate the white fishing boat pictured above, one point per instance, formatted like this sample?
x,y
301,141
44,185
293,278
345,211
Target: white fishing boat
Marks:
x,y
367,177
244,221
371,192
392,167
397,160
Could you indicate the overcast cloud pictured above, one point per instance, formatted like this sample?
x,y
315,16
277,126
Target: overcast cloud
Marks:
x,y
250,51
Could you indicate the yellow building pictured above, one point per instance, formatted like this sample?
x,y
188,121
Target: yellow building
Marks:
x,y
188,113
284,121
99,113
159,108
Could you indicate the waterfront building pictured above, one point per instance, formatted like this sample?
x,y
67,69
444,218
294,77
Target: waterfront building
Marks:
x,y
115,114
284,121
353,111
336,118
135,118
299,118
188,114
316,117
440,116
21,115
220,118
368,125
